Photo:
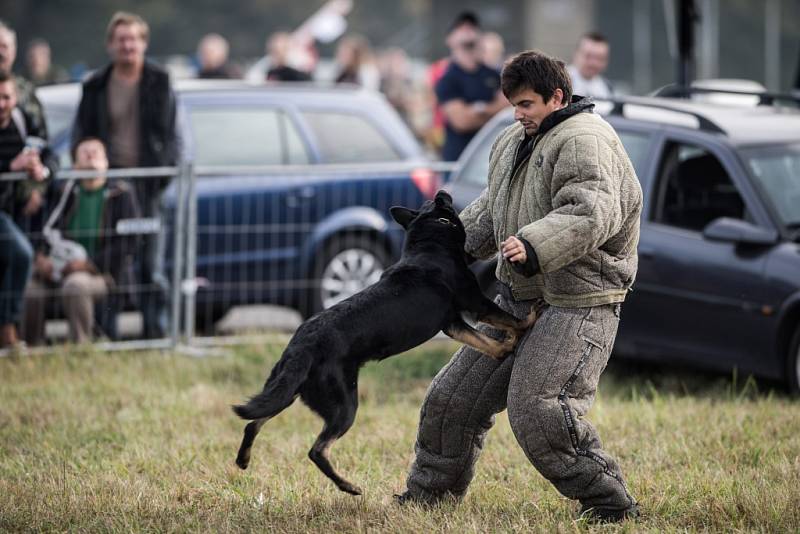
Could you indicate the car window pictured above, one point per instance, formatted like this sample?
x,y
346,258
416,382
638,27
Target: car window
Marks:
x,y
245,136
58,119
296,153
694,189
637,145
476,168
777,173
348,138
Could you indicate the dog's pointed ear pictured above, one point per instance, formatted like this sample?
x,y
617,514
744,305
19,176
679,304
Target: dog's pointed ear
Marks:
x,y
402,215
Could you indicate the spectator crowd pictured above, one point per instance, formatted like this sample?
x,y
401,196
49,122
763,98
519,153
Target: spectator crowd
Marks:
x,y
63,244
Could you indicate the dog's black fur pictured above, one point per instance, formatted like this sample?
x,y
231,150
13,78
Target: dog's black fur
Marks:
x,y
428,290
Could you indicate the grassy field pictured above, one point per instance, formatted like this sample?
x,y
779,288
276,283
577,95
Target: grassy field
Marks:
x,y
146,442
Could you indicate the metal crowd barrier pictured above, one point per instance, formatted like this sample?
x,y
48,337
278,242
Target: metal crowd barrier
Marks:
x,y
234,245
127,293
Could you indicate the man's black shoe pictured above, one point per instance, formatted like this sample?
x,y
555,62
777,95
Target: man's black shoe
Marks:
x,y
425,499
599,514
409,498
404,498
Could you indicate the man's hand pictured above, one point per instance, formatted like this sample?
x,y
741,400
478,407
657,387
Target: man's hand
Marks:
x,y
513,250
43,266
28,161
20,162
35,169
76,266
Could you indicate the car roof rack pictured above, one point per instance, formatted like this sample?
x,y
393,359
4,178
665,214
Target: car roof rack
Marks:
x,y
765,98
619,103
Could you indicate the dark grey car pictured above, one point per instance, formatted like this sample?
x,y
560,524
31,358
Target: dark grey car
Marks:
x,y
719,261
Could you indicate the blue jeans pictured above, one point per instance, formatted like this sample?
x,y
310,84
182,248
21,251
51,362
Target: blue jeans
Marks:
x,y
154,287
16,261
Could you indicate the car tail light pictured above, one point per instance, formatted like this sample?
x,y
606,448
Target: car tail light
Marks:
x,y
427,181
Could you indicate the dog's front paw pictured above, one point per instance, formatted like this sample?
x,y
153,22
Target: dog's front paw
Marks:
x,y
537,309
508,345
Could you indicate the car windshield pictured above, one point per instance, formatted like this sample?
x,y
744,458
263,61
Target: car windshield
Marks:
x,y
776,170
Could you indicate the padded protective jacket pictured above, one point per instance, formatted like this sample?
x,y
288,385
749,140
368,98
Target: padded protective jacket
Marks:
x,y
576,200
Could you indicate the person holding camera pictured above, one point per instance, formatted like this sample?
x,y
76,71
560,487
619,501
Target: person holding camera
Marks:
x,y
90,253
469,91
22,149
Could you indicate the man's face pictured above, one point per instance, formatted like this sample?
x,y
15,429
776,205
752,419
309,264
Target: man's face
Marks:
x,y
8,51
492,49
8,100
530,109
591,58
464,43
212,54
39,60
127,45
91,155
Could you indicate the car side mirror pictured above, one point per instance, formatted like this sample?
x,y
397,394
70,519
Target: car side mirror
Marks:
x,y
739,231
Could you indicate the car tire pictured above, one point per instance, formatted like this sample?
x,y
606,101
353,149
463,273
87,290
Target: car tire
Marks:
x,y
348,264
793,364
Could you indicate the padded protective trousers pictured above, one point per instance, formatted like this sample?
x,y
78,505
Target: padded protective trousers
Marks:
x,y
548,386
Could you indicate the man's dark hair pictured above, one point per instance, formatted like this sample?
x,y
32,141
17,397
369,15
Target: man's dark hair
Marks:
x,y
594,36
538,71
74,151
464,18
6,76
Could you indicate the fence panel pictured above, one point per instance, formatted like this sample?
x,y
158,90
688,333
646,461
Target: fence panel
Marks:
x,y
302,237
298,238
94,251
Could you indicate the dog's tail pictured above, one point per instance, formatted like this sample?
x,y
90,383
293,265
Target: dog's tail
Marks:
x,y
280,389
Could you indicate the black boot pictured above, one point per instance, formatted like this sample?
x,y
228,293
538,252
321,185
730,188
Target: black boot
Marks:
x,y
599,514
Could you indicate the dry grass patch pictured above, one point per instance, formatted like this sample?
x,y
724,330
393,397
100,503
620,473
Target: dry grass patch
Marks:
x,y
146,442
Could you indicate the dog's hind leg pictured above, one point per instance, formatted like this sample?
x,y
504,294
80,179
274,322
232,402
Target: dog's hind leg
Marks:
x,y
269,409
490,313
338,420
250,433
461,331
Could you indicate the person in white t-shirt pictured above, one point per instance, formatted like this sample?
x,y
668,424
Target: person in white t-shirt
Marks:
x,y
588,65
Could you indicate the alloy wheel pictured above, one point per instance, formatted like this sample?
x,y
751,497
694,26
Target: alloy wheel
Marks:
x,y
348,272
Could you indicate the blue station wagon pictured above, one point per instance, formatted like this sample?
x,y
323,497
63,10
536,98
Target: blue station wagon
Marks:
x,y
293,188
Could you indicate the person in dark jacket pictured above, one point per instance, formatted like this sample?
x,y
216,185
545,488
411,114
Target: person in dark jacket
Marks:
x,y
94,215
17,154
212,56
279,47
26,94
130,106
468,91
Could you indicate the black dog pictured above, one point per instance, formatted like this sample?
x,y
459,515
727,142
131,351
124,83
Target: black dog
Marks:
x,y
428,290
